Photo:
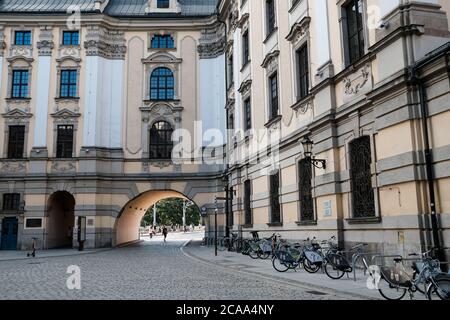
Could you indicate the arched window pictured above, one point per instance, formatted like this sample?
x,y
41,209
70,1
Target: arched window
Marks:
x,y
162,84
161,144
363,201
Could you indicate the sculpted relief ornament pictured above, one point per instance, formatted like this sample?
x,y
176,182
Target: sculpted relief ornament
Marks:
x,y
2,41
212,42
354,86
109,44
299,30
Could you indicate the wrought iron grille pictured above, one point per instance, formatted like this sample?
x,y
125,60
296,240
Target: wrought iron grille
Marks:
x,y
361,178
275,210
305,188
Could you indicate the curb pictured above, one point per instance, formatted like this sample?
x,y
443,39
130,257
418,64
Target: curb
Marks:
x,y
290,282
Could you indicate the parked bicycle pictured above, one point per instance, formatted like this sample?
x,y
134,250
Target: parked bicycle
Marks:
x,y
427,278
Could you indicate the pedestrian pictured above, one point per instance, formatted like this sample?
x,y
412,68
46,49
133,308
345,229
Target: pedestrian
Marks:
x,y
164,233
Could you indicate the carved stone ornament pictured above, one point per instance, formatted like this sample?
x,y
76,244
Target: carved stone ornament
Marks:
x,y
270,62
45,44
65,114
21,52
106,43
243,22
354,86
63,166
212,42
245,87
299,30
17,116
12,166
72,52
303,106
2,41
234,16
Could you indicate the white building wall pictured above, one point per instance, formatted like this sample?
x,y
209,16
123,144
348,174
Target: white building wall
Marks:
x,y
213,96
104,100
237,79
42,101
320,19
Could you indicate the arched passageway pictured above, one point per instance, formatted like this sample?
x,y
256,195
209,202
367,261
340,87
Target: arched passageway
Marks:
x,y
60,220
129,221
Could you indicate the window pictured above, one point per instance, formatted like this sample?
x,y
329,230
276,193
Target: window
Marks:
x,y
64,142
163,4
16,142
355,30
270,13
231,121
71,38
273,86
245,48
275,209
247,202
361,178
11,201
161,144
22,38
19,84
162,84
305,190
303,72
248,114
160,41
68,84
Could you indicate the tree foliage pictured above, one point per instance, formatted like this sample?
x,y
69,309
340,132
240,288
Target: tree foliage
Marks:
x,y
170,212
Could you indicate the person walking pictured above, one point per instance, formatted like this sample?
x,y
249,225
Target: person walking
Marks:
x,y
164,233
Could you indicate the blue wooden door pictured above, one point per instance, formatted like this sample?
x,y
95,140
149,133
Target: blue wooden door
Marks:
x,y
9,234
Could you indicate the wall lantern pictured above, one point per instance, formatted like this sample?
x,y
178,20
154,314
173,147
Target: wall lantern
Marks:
x,y
308,145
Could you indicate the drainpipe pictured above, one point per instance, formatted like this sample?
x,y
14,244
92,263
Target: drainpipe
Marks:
x,y
415,79
227,204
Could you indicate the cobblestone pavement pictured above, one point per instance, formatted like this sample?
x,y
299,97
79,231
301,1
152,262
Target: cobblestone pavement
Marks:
x,y
149,270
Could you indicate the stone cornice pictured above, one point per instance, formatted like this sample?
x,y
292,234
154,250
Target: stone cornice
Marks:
x,y
212,42
270,58
298,30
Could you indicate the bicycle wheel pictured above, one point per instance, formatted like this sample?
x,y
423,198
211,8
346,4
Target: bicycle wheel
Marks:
x,y
389,291
333,272
222,245
263,255
420,286
279,265
253,254
310,267
440,289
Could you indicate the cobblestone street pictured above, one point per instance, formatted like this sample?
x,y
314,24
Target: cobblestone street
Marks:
x,y
148,270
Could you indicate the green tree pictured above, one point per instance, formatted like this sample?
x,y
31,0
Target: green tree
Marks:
x,y
170,212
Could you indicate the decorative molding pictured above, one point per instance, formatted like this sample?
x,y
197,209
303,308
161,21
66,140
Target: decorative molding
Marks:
x,y
234,16
63,166
12,166
45,44
302,106
2,41
21,52
243,22
270,62
69,52
65,114
299,30
106,43
354,86
212,42
245,87
161,58
15,115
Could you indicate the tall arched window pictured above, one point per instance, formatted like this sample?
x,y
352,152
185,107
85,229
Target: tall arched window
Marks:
x,y
162,85
363,201
161,144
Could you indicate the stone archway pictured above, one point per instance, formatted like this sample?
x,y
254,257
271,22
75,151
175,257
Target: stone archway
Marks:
x,y
129,220
60,220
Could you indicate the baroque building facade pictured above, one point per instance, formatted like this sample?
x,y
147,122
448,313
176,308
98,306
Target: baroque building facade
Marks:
x,y
96,97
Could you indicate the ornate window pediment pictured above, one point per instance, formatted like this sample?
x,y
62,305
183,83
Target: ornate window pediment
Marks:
x,y
271,61
162,57
16,114
245,87
299,30
65,114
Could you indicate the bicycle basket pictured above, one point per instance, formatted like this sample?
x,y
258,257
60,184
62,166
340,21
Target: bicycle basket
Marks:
x,y
285,256
266,247
313,257
396,276
339,261
254,246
